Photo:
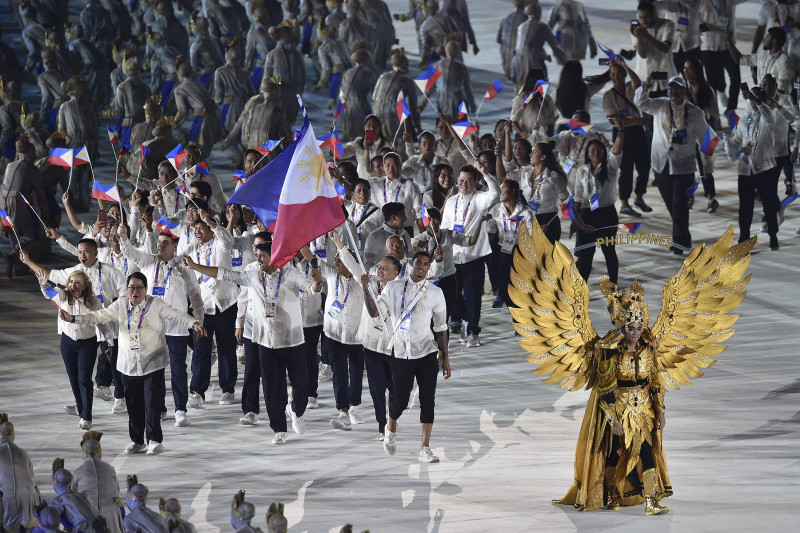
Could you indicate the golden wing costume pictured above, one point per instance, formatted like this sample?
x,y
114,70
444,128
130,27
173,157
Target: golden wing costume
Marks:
x,y
627,387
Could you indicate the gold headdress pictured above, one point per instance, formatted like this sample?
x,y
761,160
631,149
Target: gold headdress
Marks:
x,y
625,306
153,100
91,435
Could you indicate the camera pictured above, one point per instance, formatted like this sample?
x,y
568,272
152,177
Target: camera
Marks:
x,y
658,75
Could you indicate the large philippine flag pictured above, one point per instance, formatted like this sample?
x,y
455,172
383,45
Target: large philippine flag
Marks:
x,y
294,196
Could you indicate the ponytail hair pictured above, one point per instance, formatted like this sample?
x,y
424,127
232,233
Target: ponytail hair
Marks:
x,y
548,148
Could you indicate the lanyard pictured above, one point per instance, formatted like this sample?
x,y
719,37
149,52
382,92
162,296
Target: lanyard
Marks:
x,y
537,183
100,280
452,140
407,315
685,116
264,283
124,264
396,194
591,181
158,266
347,294
513,220
208,256
714,5
767,58
141,316
424,176
466,210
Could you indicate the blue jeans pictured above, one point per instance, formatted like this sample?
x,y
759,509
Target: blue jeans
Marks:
x,y
347,363
379,377
79,361
178,377
221,325
275,363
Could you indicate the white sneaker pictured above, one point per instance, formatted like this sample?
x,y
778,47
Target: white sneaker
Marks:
x,y
312,403
103,393
342,422
155,448
135,448
226,398
426,456
473,341
279,438
85,424
250,419
240,354
379,437
463,338
298,424
325,372
181,420
71,410
355,418
119,406
196,401
389,445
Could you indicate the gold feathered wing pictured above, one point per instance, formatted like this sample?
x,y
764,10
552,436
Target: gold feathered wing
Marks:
x,y
552,311
696,309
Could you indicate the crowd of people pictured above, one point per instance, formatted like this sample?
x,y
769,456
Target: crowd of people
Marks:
x,y
170,271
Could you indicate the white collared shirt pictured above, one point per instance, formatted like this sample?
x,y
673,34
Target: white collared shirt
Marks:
x,y
548,189
678,158
375,246
152,354
586,184
417,170
685,14
178,283
506,224
777,64
719,16
282,287
74,331
415,341
215,252
400,190
364,225
370,332
347,292
753,139
466,211
310,301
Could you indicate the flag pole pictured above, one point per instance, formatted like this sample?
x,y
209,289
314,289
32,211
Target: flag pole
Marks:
x,y
19,244
478,112
369,285
34,210
394,140
265,155
69,183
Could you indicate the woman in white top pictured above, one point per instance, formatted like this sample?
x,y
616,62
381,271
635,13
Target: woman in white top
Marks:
x,y
595,214
368,146
548,188
78,343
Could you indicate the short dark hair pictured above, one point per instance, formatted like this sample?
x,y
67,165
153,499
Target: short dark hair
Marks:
x,y
201,204
265,246
360,181
646,5
421,253
434,212
138,275
170,236
391,209
252,151
263,235
427,133
469,169
202,187
90,242
395,261
779,34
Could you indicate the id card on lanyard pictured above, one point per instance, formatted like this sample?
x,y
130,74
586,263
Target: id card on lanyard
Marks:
x,y
100,282
510,233
208,281
459,228
134,341
161,290
271,303
336,305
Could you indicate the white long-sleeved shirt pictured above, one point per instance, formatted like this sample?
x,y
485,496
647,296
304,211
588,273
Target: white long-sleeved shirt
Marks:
x,y
106,281
685,14
149,331
370,332
753,138
548,190
506,224
777,64
215,252
310,301
174,283
417,170
663,31
365,218
345,292
401,190
667,119
785,115
410,326
74,331
282,287
586,185
719,16
462,213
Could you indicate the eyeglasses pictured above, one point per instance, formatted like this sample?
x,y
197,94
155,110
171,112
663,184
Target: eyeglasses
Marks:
x,y
138,288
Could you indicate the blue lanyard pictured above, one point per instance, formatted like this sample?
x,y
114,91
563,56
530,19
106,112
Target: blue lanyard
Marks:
x,y
208,256
124,265
158,266
141,316
396,194
466,210
277,288
100,280
347,294
513,220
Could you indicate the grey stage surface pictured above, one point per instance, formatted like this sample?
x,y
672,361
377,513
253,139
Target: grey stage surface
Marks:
x,y
505,438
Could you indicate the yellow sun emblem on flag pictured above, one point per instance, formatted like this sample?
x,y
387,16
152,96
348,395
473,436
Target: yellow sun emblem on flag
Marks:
x,y
313,167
